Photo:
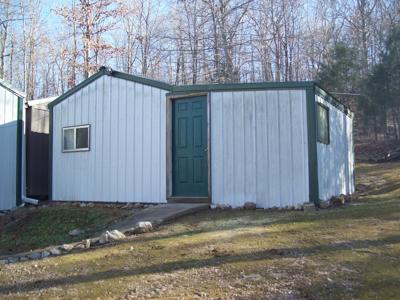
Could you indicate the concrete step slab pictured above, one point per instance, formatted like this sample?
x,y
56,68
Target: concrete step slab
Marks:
x,y
159,214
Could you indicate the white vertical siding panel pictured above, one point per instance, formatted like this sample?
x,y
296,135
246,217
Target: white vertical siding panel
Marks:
x,y
121,104
163,138
97,140
253,148
335,161
249,155
84,157
130,143
10,112
91,113
115,129
273,176
71,180
78,178
126,161
298,153
139,115
2,105
146,140
155,140
285,147
216,142
8,149
262,160
238,148
229,143
350,150
107,141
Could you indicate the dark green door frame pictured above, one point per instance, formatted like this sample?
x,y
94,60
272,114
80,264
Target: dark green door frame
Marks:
x,y
206,196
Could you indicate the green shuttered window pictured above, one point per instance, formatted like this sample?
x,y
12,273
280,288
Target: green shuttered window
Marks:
x,y
76,138
323,124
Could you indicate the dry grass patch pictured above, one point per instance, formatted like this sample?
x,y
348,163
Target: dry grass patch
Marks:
x,y
345,253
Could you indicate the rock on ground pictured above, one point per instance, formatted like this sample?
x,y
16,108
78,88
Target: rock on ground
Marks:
x,y
109,236
75,232
55,251
142,227
35,255
309,206
67,247
249,205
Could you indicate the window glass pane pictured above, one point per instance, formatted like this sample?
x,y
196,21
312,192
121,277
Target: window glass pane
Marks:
x,y
82,138
68,139
323,124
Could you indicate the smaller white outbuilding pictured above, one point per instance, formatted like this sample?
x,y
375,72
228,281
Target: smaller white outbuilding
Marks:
x,y
116,137
12,153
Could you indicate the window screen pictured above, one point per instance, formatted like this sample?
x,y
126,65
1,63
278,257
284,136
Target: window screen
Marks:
x,y
69,139
76,138
323,123
82,138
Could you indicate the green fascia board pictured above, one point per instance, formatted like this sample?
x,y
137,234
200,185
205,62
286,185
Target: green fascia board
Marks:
x,y
196,88
79,86
18,178
9,87
332,100
240,86
143,80
108,71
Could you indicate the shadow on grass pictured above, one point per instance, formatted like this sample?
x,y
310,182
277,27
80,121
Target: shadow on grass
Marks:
x,y
385,189
369,278
169,267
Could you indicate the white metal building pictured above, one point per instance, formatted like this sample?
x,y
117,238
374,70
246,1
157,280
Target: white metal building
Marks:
x,y
121,138
12,162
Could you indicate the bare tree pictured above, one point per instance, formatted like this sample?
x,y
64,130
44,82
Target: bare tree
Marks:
x,y
91,19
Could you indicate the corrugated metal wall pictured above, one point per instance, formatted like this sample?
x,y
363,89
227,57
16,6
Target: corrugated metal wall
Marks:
x,y
259,148
336,160
127,161
8,149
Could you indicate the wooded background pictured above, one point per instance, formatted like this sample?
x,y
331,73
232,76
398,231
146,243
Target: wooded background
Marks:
x,y
352,47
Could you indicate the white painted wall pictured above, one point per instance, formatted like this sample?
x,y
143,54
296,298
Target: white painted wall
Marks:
x,y
126,161
336,160
259,148
8,148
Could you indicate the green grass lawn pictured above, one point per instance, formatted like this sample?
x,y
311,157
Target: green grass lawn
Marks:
x,y
343,253
39,228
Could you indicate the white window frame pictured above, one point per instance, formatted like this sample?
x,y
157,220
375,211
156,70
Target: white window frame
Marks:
x,y
75,149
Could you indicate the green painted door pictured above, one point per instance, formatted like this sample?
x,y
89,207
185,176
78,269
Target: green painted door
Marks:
x,y
189,147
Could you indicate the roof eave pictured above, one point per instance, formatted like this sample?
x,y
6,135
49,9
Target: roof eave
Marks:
x,y
13,90
241,86
110,72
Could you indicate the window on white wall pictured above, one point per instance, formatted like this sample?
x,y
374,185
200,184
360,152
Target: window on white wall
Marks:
x,y
76,138
323,124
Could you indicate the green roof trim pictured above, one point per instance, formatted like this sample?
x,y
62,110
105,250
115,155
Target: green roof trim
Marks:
x,y
10,88
319,91
144,80
108,71
241,86
196,88
79,86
